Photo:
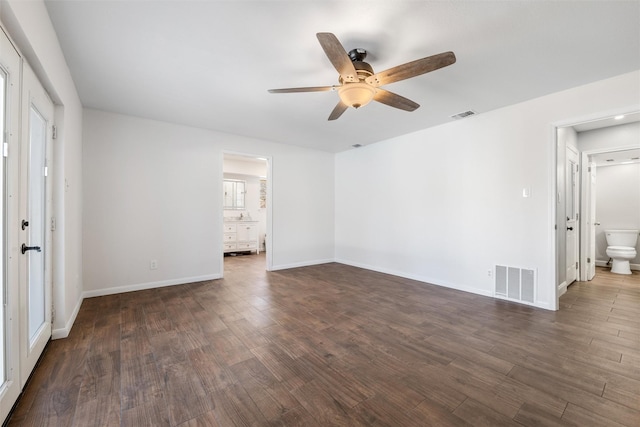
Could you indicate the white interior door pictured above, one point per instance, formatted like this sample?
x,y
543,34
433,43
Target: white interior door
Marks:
x,y
571,212
10,386
35,203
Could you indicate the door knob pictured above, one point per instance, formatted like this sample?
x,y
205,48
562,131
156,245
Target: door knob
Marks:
x,y
569,228
26,248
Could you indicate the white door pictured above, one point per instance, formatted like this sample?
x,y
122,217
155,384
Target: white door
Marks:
x,y
35,203
571,213
591,223
10,386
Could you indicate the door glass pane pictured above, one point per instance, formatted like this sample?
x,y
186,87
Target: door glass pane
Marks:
x,y
3,82
37,143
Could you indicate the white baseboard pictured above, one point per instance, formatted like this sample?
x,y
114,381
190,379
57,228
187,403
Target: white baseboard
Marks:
x,y
562,289
148,285
600,263
301,264
427,280
64,332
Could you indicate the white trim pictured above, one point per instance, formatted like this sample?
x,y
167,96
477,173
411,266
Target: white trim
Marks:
x,y
597,116
426,280
149,285
301,264
552,212
601,263
562,289
64,332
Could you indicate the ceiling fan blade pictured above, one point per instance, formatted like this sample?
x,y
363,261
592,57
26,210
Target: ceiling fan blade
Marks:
x,y
412,69
394,100
338,56
340,108
303,89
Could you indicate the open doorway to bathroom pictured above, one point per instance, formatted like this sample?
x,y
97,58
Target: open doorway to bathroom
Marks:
x,y
246,207
612,145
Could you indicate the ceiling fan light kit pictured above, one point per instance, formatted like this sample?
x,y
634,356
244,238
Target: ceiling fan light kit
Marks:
x,y
359,85
356,95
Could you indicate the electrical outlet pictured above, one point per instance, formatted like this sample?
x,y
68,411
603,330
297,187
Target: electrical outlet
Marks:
x,y
153,264
489,273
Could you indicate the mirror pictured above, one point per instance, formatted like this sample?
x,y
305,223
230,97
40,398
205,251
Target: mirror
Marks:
x,y
234,191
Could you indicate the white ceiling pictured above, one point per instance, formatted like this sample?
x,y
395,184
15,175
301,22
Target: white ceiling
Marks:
x,y
209,64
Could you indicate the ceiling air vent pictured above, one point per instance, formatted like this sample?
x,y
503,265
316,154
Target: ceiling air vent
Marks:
x,y
357,145
463,114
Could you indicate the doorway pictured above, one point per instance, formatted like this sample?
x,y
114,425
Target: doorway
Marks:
x,y
246,194
571,135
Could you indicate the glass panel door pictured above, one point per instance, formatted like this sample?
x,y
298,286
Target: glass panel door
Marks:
x,y
3,333
10,386
35,235
36,220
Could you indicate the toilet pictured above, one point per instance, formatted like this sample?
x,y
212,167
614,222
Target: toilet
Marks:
x,y
621,249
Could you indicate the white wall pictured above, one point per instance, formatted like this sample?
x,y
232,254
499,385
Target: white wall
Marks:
x,y
445,205
29,26
152,191
617,204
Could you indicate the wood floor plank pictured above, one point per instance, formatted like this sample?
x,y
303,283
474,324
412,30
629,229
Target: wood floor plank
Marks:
x,y
332,345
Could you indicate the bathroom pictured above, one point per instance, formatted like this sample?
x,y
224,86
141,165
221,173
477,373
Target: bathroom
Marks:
x,y
617,194
249,205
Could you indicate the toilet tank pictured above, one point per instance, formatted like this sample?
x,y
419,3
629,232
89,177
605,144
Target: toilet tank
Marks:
x,y
622,237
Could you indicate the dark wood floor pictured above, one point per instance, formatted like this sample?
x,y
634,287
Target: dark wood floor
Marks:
x,y
336,345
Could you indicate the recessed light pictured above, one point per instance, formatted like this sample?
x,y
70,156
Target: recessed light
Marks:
x,y
620,117
357,145
610,160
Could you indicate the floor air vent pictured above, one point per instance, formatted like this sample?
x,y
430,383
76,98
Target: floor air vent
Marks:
x,y
517,284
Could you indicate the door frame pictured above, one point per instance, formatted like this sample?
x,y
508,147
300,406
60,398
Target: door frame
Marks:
x,y
577,208
269,208
10,390
556,170
585,199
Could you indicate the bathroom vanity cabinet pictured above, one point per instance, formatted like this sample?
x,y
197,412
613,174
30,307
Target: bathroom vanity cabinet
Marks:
x,y
241,236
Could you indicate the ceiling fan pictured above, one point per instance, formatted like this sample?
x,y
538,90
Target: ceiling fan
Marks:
x,y
359,84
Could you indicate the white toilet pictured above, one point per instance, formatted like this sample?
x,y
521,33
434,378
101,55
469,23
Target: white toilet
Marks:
x,y
621,249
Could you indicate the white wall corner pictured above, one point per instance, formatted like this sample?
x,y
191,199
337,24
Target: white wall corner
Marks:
x,y
66,330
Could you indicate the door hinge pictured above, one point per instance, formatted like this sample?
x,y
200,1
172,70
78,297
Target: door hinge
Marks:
x,y
53,223
576,265
577,216
54,132
588,260
53,314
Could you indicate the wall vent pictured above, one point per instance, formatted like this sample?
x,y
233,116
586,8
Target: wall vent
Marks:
x,y
463,114
514,283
